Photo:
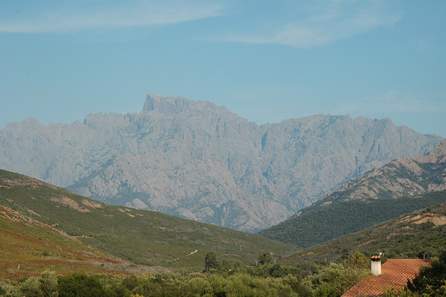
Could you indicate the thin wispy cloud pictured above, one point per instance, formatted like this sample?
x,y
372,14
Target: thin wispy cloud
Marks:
x,y
132,13
326,22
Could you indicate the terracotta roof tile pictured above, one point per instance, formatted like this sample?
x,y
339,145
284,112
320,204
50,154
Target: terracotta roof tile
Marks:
x,y
395,274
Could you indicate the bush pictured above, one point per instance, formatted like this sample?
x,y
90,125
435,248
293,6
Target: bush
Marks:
x,y
130,283
265,259
31,287
334,279
49,284
80,285
197,287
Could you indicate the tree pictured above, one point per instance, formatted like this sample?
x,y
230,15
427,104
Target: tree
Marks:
x,y
265,259
357,260
210,262
277,271
431,280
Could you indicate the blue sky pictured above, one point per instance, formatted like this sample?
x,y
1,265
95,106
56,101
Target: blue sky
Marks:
x,y
265,60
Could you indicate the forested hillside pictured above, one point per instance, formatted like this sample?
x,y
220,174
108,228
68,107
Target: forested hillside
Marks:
x,y
417,234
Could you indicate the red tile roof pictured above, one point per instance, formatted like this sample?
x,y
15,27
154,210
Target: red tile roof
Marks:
x,y
395,274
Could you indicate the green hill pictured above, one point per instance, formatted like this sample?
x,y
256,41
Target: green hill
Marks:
x,y
317,224
411,235
399,187
29,247
142,237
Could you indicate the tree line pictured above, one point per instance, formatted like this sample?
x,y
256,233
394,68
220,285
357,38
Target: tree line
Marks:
x,y
223,279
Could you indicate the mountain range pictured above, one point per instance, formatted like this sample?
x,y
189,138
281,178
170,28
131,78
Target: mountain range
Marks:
x,y
196,160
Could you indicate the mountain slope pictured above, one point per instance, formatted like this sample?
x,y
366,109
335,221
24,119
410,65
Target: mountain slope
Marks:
x,y
200,161
381,194
141,237
29,247
421,233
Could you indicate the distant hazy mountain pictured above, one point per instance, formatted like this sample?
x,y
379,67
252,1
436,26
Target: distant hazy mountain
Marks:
x,y
381,194
200,161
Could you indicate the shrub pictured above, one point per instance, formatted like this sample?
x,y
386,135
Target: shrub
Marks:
x,y
31,287
10,291
130,282
80,285
334,279
265,259
197,287
49,284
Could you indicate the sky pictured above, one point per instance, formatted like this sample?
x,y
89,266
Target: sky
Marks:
x,y
265,60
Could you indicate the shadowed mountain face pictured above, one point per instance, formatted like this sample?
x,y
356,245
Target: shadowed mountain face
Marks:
x,y
381,194
200,161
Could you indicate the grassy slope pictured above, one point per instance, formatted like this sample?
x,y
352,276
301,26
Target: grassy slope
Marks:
x,y
321,223
423,231
143,237
29,247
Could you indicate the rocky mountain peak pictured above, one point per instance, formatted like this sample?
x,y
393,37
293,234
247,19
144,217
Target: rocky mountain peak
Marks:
x,y
173,105
165,104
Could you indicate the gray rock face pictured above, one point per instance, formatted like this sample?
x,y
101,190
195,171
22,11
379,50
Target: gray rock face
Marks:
x,y
398,179
200,161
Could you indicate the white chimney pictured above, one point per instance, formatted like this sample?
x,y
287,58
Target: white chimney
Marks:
x,y
376,264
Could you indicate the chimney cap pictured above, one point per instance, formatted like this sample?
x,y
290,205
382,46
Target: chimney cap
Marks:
x,y
376,257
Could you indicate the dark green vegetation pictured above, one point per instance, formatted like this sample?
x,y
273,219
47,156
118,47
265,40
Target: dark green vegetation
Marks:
x,y
268,280
418,234
321,223
142,237
431,282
